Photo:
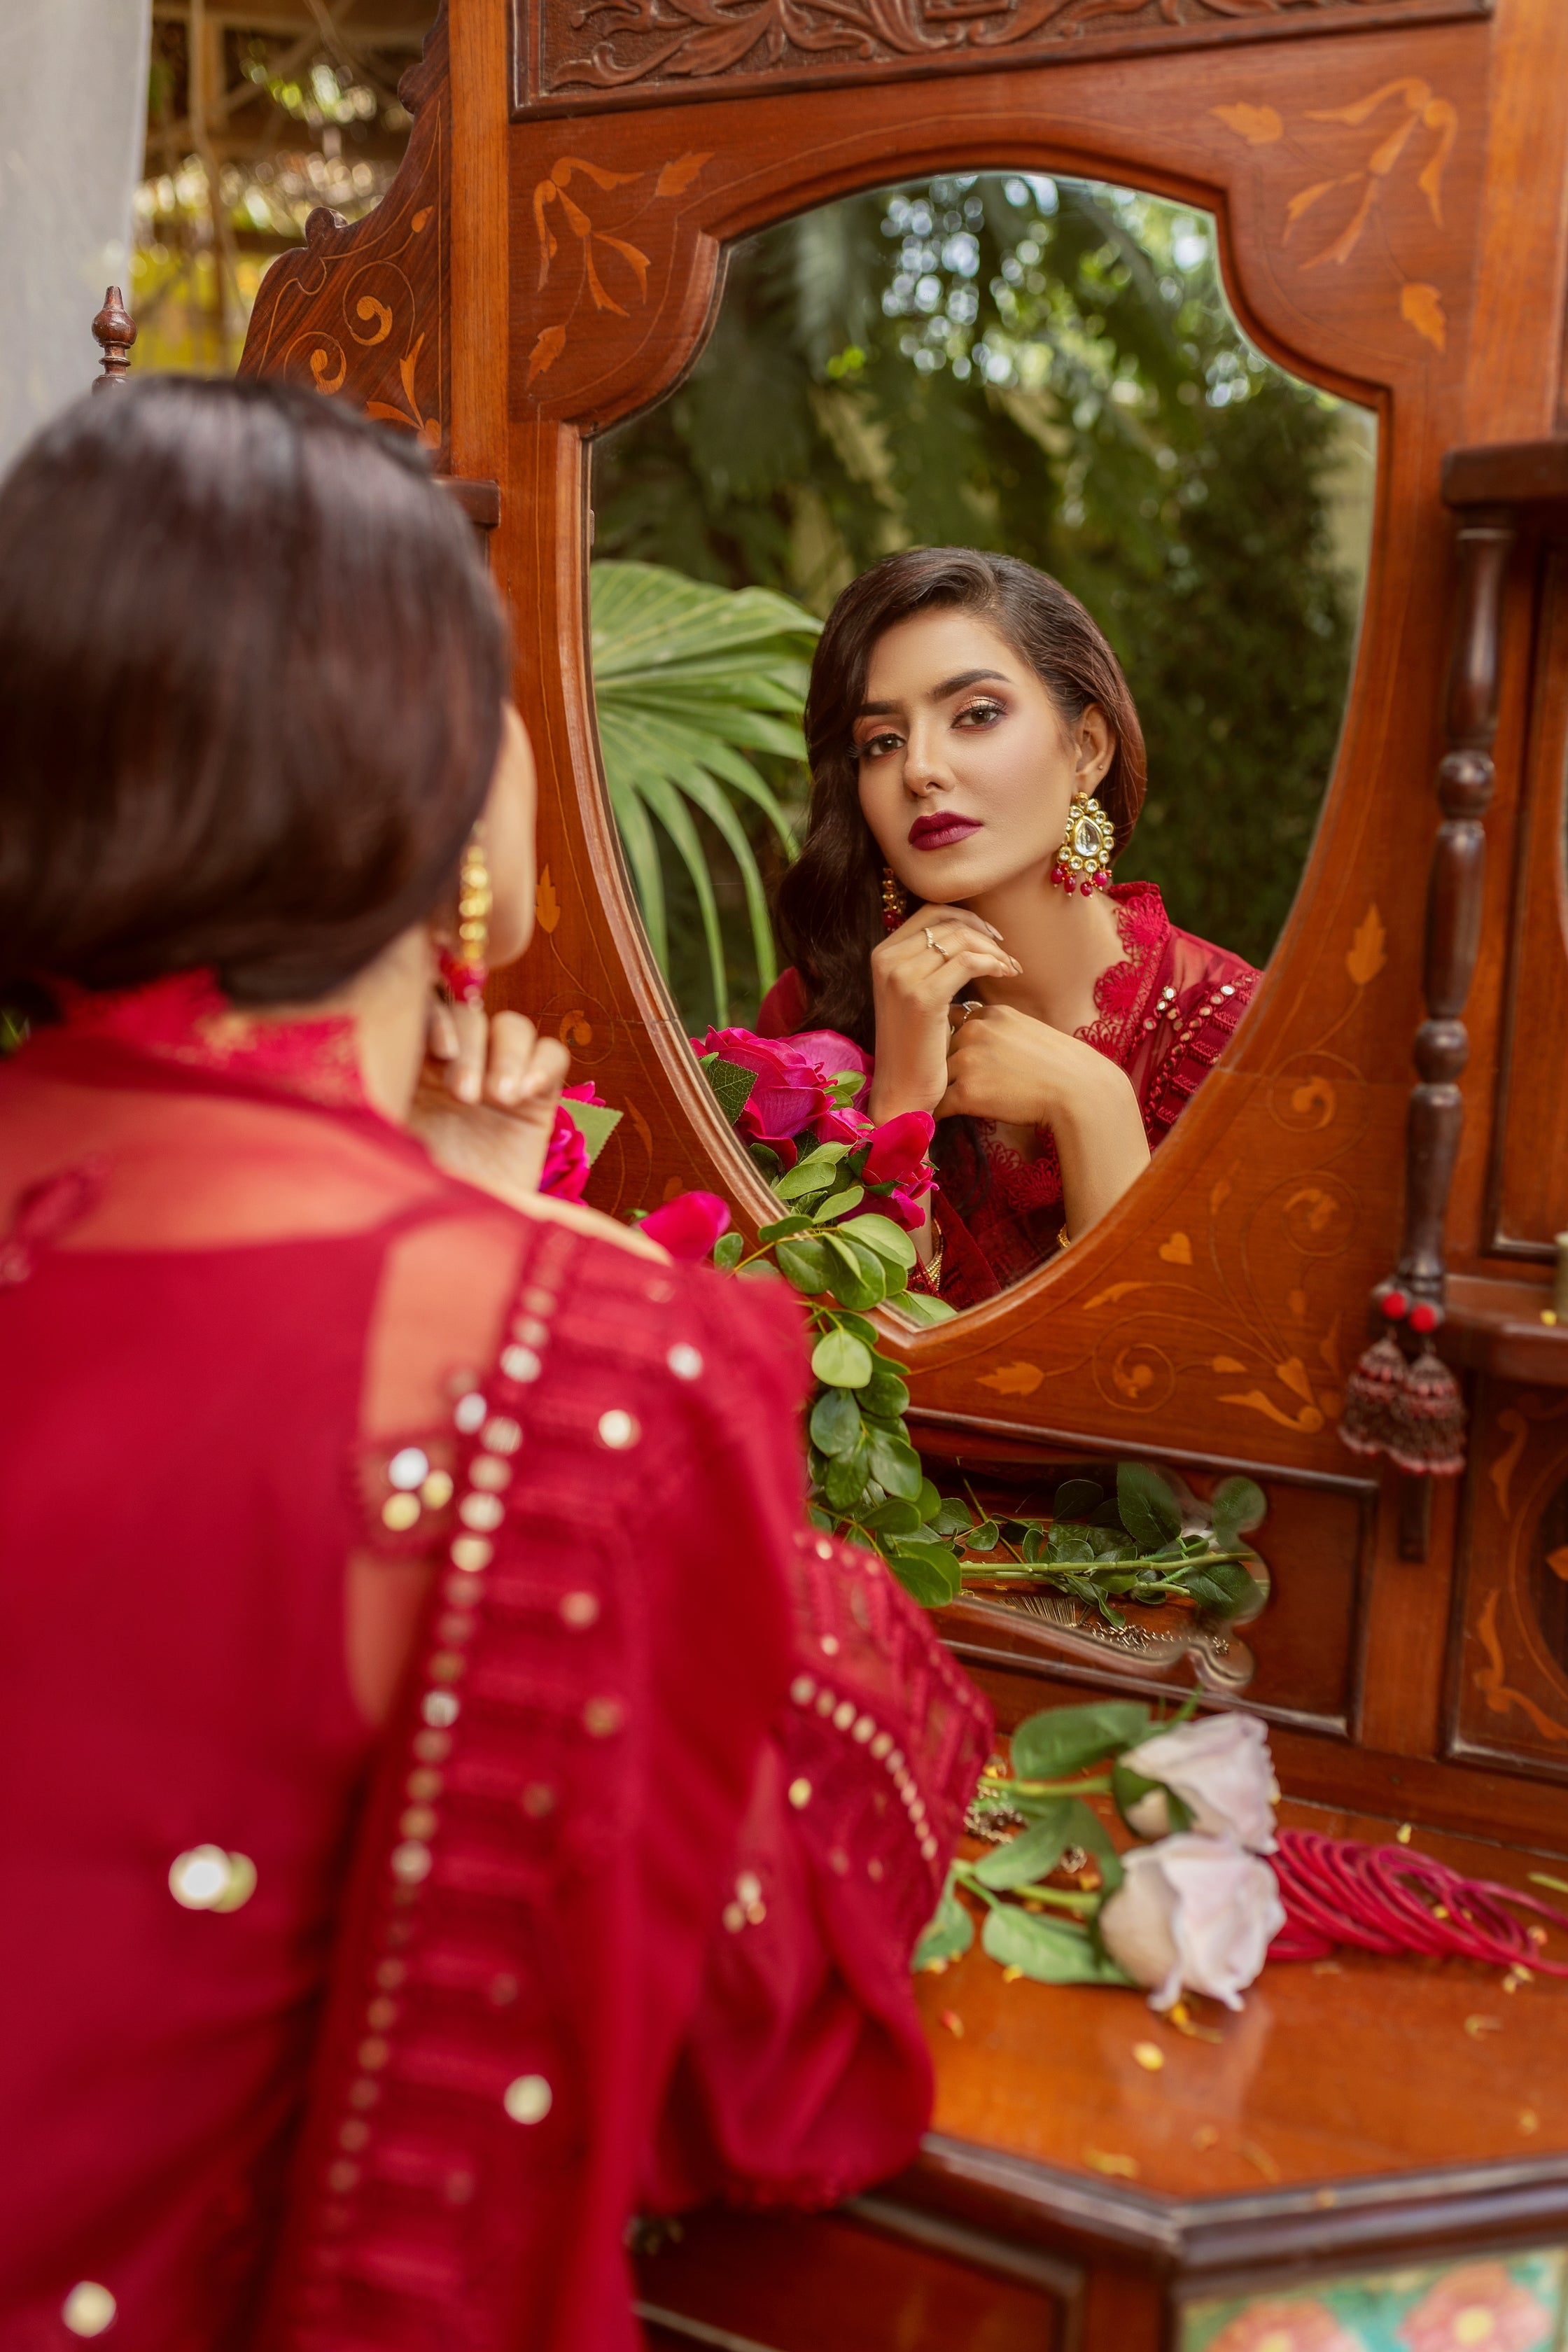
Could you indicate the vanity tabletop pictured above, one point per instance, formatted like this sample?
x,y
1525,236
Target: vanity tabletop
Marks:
x,y
1335,2070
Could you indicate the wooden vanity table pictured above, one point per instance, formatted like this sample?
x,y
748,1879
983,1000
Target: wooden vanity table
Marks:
x,y
1390,181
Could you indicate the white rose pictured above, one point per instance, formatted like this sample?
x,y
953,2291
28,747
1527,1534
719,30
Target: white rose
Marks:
x,y
1220,1766
1192,1915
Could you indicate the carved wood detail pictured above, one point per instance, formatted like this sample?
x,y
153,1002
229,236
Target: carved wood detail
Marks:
x,y
363,313
1508,1691
114,330
608,53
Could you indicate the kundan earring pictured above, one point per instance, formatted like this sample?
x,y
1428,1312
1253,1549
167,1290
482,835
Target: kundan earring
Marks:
x,y
463,968
895,900
1083,861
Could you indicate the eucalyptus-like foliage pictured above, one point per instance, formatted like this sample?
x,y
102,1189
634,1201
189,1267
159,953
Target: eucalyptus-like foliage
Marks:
x,y
691,680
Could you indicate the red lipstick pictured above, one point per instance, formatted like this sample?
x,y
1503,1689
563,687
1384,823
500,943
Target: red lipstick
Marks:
x,y
942,829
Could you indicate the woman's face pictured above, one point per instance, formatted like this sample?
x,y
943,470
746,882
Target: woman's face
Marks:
x,y
966,769
508,822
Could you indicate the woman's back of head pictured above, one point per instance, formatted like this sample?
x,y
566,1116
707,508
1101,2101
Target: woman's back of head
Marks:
x,y
252,675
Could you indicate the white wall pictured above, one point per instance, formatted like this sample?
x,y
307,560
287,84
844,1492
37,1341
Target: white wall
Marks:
x,y
73,101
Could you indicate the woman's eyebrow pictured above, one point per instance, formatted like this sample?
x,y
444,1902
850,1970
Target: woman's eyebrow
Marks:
x,y
943,693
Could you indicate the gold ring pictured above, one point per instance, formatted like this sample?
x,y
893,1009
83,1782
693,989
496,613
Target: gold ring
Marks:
x,y
932,941
970,1004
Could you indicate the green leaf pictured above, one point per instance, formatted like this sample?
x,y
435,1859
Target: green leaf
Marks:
x,y
731,1086
1240,1504
782,1228
845,1478
1052,1951
767,1161
1226,1586
841,1360
888,1240
594,1122
864,1331
949,1933
855,1277
1032,1854
803,1262
1085,1828
894,1518
1063,1739
1076,1497
839,1205
895,1464
1147,1501
835,1424
887,1397
928,1502
922,1307
728,1251
954,1518
927,1571
1068,1548
984,1534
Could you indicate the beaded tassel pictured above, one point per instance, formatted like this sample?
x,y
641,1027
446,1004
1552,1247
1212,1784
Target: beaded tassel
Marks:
x,y
895,900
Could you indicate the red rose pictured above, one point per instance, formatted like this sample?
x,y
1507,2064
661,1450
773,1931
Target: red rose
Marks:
x,y
689,1225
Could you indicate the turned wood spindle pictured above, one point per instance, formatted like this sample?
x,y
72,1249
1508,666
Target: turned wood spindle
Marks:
x,y
1454,901
115,331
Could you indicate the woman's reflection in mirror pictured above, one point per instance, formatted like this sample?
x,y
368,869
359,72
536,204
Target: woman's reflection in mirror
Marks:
x,y
949,910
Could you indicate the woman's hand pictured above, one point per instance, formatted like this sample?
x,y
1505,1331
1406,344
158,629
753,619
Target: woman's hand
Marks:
x,y
1008,1068
915,974
486,1097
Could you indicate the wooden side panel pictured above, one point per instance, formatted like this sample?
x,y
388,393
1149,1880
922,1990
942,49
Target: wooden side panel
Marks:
x,y
1508,1688
1529,1203
364,312
842,2283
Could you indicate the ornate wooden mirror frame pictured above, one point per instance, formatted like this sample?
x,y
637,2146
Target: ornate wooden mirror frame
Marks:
x,y
548,263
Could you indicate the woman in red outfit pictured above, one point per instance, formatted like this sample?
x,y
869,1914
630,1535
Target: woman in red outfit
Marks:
x,y
976,764
406,1604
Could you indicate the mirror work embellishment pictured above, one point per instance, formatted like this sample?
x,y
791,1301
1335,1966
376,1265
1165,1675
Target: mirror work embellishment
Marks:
x,y
662,49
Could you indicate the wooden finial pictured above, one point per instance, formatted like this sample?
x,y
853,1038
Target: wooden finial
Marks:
x,y
115,329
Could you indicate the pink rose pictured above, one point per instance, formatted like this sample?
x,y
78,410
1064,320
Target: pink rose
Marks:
x,y
689,1225
899,1150
793,1095
565,1175
1286,2323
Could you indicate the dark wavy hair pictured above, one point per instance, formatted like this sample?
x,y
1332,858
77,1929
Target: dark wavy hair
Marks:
x,y
829,902
251,678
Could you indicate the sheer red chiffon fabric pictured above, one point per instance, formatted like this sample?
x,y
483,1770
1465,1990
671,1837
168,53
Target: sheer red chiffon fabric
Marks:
x,y
1165,1013
618,1904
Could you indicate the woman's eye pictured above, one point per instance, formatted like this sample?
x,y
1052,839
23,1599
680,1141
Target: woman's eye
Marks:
x,y
876,746
980,714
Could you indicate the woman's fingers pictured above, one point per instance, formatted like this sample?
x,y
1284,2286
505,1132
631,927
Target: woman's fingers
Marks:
x,y
441,1033
465,1071
913,925
509,1054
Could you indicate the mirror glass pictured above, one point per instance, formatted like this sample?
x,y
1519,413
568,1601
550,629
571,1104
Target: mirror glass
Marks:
x,y
1039,368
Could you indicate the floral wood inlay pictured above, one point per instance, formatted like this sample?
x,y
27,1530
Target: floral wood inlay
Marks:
x,y
1413,130
362,312
611,270
623,50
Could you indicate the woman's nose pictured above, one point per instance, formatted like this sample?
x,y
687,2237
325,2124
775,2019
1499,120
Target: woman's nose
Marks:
x,y
925,771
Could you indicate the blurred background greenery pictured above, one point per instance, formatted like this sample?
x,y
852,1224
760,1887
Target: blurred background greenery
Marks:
x,y
1047,367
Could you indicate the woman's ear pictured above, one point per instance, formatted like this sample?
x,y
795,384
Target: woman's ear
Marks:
x,y
1094,748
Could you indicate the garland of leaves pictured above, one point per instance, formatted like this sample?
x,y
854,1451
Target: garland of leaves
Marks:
x,y
845,1257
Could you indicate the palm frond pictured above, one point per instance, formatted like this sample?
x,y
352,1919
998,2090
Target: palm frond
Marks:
x,y
689,678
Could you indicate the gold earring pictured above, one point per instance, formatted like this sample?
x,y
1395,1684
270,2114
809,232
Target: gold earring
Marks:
x,y
895,900
463,968
1083,861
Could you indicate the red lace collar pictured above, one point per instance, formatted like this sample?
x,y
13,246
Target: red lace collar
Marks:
x,y
185,1018
1122,988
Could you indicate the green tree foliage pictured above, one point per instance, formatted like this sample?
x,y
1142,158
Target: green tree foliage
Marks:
x,y
1048,368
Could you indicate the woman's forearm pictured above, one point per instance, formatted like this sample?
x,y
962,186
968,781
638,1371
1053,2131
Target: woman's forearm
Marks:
x,y
1101,1146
